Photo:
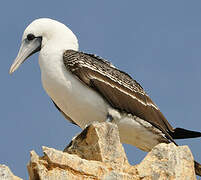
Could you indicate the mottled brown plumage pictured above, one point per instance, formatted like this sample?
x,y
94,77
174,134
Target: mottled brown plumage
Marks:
x,y
117,87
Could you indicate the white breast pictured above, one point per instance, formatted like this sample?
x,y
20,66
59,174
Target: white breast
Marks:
x,y
75,99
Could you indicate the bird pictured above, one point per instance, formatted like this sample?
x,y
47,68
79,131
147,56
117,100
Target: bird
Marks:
x,y
86,88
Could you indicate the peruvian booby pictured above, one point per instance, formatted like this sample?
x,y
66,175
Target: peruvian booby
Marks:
x,y
87,88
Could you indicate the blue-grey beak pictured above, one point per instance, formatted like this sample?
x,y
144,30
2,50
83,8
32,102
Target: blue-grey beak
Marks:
x,y
27,49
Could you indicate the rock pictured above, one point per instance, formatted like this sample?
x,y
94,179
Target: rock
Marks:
x,y
58,165
99,142
168,161
6,174
97,153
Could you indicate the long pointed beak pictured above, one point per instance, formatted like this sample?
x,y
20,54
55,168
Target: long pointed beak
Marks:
x,y
27,49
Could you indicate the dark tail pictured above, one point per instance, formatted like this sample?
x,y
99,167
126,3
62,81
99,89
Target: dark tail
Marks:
x,y
180,133
197,168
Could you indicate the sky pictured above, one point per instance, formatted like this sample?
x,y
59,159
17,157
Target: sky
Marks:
x,y
157,42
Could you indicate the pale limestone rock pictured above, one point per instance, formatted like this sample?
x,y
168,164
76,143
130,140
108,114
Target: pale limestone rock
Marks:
x,y
6,174
99,142
97,153
168,161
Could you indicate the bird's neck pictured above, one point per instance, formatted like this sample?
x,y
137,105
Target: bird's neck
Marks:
x,y
51,55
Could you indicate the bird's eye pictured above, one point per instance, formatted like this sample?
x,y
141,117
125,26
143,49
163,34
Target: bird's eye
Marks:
x,y
30,37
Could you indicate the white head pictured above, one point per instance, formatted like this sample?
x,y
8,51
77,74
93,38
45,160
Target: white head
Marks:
x,y
39,34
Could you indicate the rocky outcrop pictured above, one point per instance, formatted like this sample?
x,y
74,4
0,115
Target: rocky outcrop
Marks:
x,y
6,174
97,153
167,161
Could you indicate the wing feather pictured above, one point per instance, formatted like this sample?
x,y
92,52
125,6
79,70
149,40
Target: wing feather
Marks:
x,y
116,87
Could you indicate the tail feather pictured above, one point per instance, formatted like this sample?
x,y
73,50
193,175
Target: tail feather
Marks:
x,y
180,133
197,168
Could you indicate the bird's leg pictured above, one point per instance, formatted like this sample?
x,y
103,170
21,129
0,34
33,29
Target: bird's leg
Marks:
x,y
113,116
109,118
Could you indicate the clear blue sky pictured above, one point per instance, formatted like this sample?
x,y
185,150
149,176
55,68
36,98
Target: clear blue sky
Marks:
x,y
156,42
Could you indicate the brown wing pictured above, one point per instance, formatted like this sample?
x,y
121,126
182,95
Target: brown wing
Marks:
x,y
117,87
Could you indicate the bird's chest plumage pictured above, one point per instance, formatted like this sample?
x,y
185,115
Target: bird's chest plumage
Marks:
x,y
76,100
